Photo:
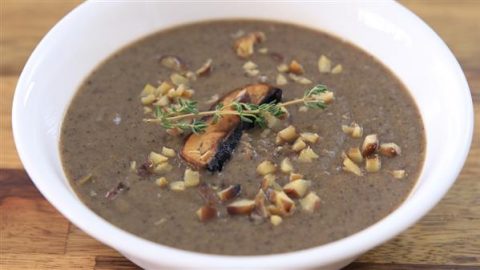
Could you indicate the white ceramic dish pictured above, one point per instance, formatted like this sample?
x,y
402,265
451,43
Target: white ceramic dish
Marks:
x,y
95,30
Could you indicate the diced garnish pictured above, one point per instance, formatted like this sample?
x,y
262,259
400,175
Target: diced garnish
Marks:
x,y
324,64
263,50
178,79
354,130
191,178
289,134
307,155
373,163
281,80
229,193
148,99
399,174
241,207
260,204
327,97
282,202
161,182
267,181
206,213
350,166
286,165
249,65
266,167
355,154
168,152
295,176
244,45
309,137
295,68
177,186
276,220
390,149
162,168
297,188
337,69
299,145
282,68
310,203
370,145
156,158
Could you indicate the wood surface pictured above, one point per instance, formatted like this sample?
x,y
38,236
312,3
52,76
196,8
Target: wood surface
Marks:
x,y
33,235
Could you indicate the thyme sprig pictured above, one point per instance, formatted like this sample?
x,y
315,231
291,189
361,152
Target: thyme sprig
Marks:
x,y
185,115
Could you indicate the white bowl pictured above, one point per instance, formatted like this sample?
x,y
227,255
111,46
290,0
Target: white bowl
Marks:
x,y
94,30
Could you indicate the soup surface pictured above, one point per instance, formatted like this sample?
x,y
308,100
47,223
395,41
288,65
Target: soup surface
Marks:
x,y
106,144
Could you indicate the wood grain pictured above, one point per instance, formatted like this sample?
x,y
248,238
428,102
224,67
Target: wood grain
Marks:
x,y
33,235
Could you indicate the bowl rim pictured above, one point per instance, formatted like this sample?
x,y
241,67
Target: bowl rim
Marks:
x,y
348,247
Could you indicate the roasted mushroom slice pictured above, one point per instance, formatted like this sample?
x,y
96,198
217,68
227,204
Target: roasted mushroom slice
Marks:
x,y
214,147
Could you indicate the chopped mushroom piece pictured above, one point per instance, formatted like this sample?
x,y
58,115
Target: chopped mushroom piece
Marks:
x,y
149,99
295,176
205,69
263,50
244,45
191,178
399,174
324,64
282,68
373,163
297,189
299,145
172,62
249,65
252,72
267,181
295,68
266,167
370,145
260,207
355,154
288,134
177,186
282,202
241,207
286,166
206,213
390,149
310,203
354,130
156,158
299,79
337,69
168,152
229,193
307,155
281,80
161,182
178,79
276,220
162,168
309,137
350,166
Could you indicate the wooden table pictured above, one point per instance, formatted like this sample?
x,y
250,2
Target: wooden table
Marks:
x,y
35,236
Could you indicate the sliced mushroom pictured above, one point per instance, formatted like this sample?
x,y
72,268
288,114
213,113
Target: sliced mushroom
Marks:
x,y
260,204
205,69
214,147
172,62
229,193
241,207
